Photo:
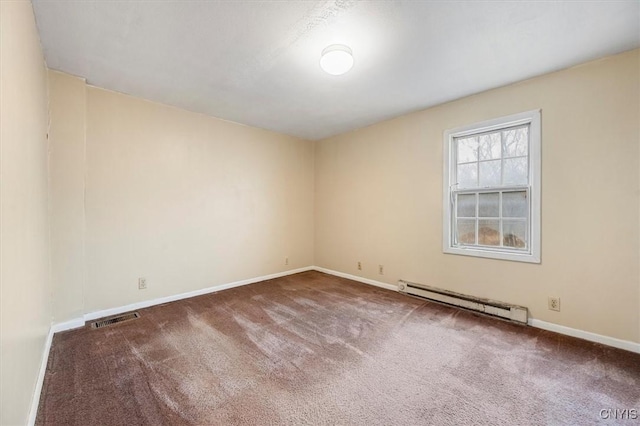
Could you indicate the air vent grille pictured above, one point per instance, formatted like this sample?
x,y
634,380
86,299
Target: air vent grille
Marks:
x,y
114,320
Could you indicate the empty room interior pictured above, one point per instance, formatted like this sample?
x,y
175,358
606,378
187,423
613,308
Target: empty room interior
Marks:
x,y
319,212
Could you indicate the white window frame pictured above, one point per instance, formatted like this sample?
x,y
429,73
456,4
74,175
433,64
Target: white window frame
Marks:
x,y
532,254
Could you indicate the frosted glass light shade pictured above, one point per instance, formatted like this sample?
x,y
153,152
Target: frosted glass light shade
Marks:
x,y
336,59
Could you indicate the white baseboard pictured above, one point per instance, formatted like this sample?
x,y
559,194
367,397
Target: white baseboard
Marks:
x,y
68,325
586,335
356,278
35,401
79,322
561,329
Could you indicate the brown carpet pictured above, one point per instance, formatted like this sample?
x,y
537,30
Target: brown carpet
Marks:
x,y
316,349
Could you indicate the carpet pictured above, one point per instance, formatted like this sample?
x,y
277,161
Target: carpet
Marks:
x,y
312,348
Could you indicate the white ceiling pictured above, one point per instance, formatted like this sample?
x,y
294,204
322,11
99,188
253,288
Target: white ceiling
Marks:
x,y
257,62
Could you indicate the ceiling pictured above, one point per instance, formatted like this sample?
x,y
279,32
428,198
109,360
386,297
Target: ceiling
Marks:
x,y
257,62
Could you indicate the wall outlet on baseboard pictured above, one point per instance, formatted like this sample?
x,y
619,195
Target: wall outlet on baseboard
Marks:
x,y
554,303
381,269
286,260
359,266
142,283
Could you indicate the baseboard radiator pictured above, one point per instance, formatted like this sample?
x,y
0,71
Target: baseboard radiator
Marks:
x,y
489,307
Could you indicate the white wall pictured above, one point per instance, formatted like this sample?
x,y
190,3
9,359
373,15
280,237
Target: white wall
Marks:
x,y
187,201
25,305
379,199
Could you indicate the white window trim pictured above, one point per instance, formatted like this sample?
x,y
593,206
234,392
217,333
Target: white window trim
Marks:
x,y
533,254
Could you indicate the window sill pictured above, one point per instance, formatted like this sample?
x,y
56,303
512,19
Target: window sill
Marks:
x,y
491,254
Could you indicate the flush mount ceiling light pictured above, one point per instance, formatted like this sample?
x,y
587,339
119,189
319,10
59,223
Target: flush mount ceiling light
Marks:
x,y
336,59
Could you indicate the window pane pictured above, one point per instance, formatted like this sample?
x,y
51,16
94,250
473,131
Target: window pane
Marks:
x,y
514,204
489,232
515,171
489,205
490,173
515,233
516,142
466,205
468,150
466,231
490,146
468,175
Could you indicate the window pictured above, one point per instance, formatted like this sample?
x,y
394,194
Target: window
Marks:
x,y
492,189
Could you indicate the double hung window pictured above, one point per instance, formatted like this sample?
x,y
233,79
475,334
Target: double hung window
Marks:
x,y
492,189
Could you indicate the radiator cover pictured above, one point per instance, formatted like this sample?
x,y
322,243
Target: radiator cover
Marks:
x,y
491,307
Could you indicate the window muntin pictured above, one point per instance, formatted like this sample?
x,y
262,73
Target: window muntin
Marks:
x,y
493,159
492,185
492,219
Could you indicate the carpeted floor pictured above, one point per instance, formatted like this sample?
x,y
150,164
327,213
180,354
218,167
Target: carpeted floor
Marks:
x,y
316,349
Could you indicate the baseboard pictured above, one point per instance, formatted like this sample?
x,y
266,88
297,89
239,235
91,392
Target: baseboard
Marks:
x,y
586,335
79,322
68,325
561,329
35,401
356,278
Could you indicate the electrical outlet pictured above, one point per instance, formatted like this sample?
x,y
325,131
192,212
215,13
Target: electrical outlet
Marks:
x,y
142,283
286,260
359,266
381,269
554,304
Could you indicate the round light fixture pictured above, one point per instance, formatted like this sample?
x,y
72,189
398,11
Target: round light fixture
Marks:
x,y
336,59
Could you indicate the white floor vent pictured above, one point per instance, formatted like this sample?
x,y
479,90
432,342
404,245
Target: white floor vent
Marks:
x,y
491,307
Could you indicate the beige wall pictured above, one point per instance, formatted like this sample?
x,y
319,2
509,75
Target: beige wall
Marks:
x,y
188,201
25,307
379,192
67,108
184,200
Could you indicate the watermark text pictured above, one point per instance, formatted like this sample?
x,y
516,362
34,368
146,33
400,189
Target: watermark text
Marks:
x,y
619,414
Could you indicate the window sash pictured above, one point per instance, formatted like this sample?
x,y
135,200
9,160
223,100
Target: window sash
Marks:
x,y
500,218
499,130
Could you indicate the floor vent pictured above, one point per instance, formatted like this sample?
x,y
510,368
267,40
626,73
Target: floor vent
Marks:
x,y
490,307
113,320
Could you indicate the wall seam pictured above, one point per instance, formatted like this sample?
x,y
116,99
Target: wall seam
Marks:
x,y
84,199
